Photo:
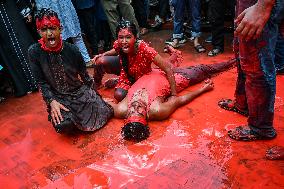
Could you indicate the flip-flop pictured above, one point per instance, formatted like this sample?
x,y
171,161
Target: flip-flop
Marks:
x,y
229,105
199,48
214,52
246,134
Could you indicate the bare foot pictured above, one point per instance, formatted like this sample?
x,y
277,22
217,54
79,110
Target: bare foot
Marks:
x,y
275,153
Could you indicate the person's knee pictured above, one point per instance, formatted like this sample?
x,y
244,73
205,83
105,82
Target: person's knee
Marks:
x,y
64,127
101,61
120,94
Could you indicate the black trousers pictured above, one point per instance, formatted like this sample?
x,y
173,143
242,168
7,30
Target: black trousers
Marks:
x,y
217,13
140,12
88,26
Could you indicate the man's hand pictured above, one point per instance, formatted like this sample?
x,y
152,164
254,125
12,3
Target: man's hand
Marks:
x,y
208,86
55,111
252,21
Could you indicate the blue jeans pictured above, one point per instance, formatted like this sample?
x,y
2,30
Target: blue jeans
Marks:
x,y
279,52
256,83
78,41
195,10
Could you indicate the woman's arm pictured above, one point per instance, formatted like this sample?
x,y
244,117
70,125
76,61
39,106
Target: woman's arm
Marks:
x,y
111,52
166,67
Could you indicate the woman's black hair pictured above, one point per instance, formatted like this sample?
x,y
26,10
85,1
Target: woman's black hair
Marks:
x,y
135,131
123,24
45,12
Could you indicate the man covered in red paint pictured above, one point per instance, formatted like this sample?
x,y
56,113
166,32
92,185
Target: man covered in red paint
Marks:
x,y
61,74
149,97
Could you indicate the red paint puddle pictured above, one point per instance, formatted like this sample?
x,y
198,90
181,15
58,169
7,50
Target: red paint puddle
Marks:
x,y
193,152
14,164
126,165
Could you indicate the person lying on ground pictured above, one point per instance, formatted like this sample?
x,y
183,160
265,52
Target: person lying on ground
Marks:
x,y
149,98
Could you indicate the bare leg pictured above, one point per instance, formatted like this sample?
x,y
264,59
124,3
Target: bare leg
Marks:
x,y
162,110
106,64
198,73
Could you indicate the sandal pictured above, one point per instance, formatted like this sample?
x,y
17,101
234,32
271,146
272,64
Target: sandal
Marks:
x,y
214,52
175,44
199,48
246,134
230,105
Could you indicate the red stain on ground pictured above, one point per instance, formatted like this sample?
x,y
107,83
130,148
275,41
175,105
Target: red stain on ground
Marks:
x,y
189,150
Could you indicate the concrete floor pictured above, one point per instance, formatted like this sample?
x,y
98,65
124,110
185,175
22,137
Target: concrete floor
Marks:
x,y
189,150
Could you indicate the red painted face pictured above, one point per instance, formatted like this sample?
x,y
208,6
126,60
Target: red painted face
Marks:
x,y
126,40
49,29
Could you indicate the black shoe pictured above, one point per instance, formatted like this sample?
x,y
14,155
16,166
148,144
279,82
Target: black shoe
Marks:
x,y
208,39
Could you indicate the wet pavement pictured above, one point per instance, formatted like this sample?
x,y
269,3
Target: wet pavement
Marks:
x,y
188,150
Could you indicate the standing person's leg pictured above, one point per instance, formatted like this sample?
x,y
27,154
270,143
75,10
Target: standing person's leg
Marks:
x,y
110,9
195,7
88,26
78,41
257,63
279,54
127,12
178,22
164,9
217,26
239,104
141,15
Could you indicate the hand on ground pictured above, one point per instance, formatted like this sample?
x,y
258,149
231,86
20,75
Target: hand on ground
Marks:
x,y
56,115
208,86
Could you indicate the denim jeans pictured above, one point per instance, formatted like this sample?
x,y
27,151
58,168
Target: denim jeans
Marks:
x,y
195,8
279,52
78,41
256,83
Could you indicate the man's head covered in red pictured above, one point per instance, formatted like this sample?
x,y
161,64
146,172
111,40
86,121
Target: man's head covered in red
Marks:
x,y
49,28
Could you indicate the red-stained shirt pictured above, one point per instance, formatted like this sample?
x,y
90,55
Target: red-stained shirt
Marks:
x,y
138,65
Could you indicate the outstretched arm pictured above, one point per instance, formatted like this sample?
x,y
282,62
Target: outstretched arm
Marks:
x,y
120,109
165,109
166,67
